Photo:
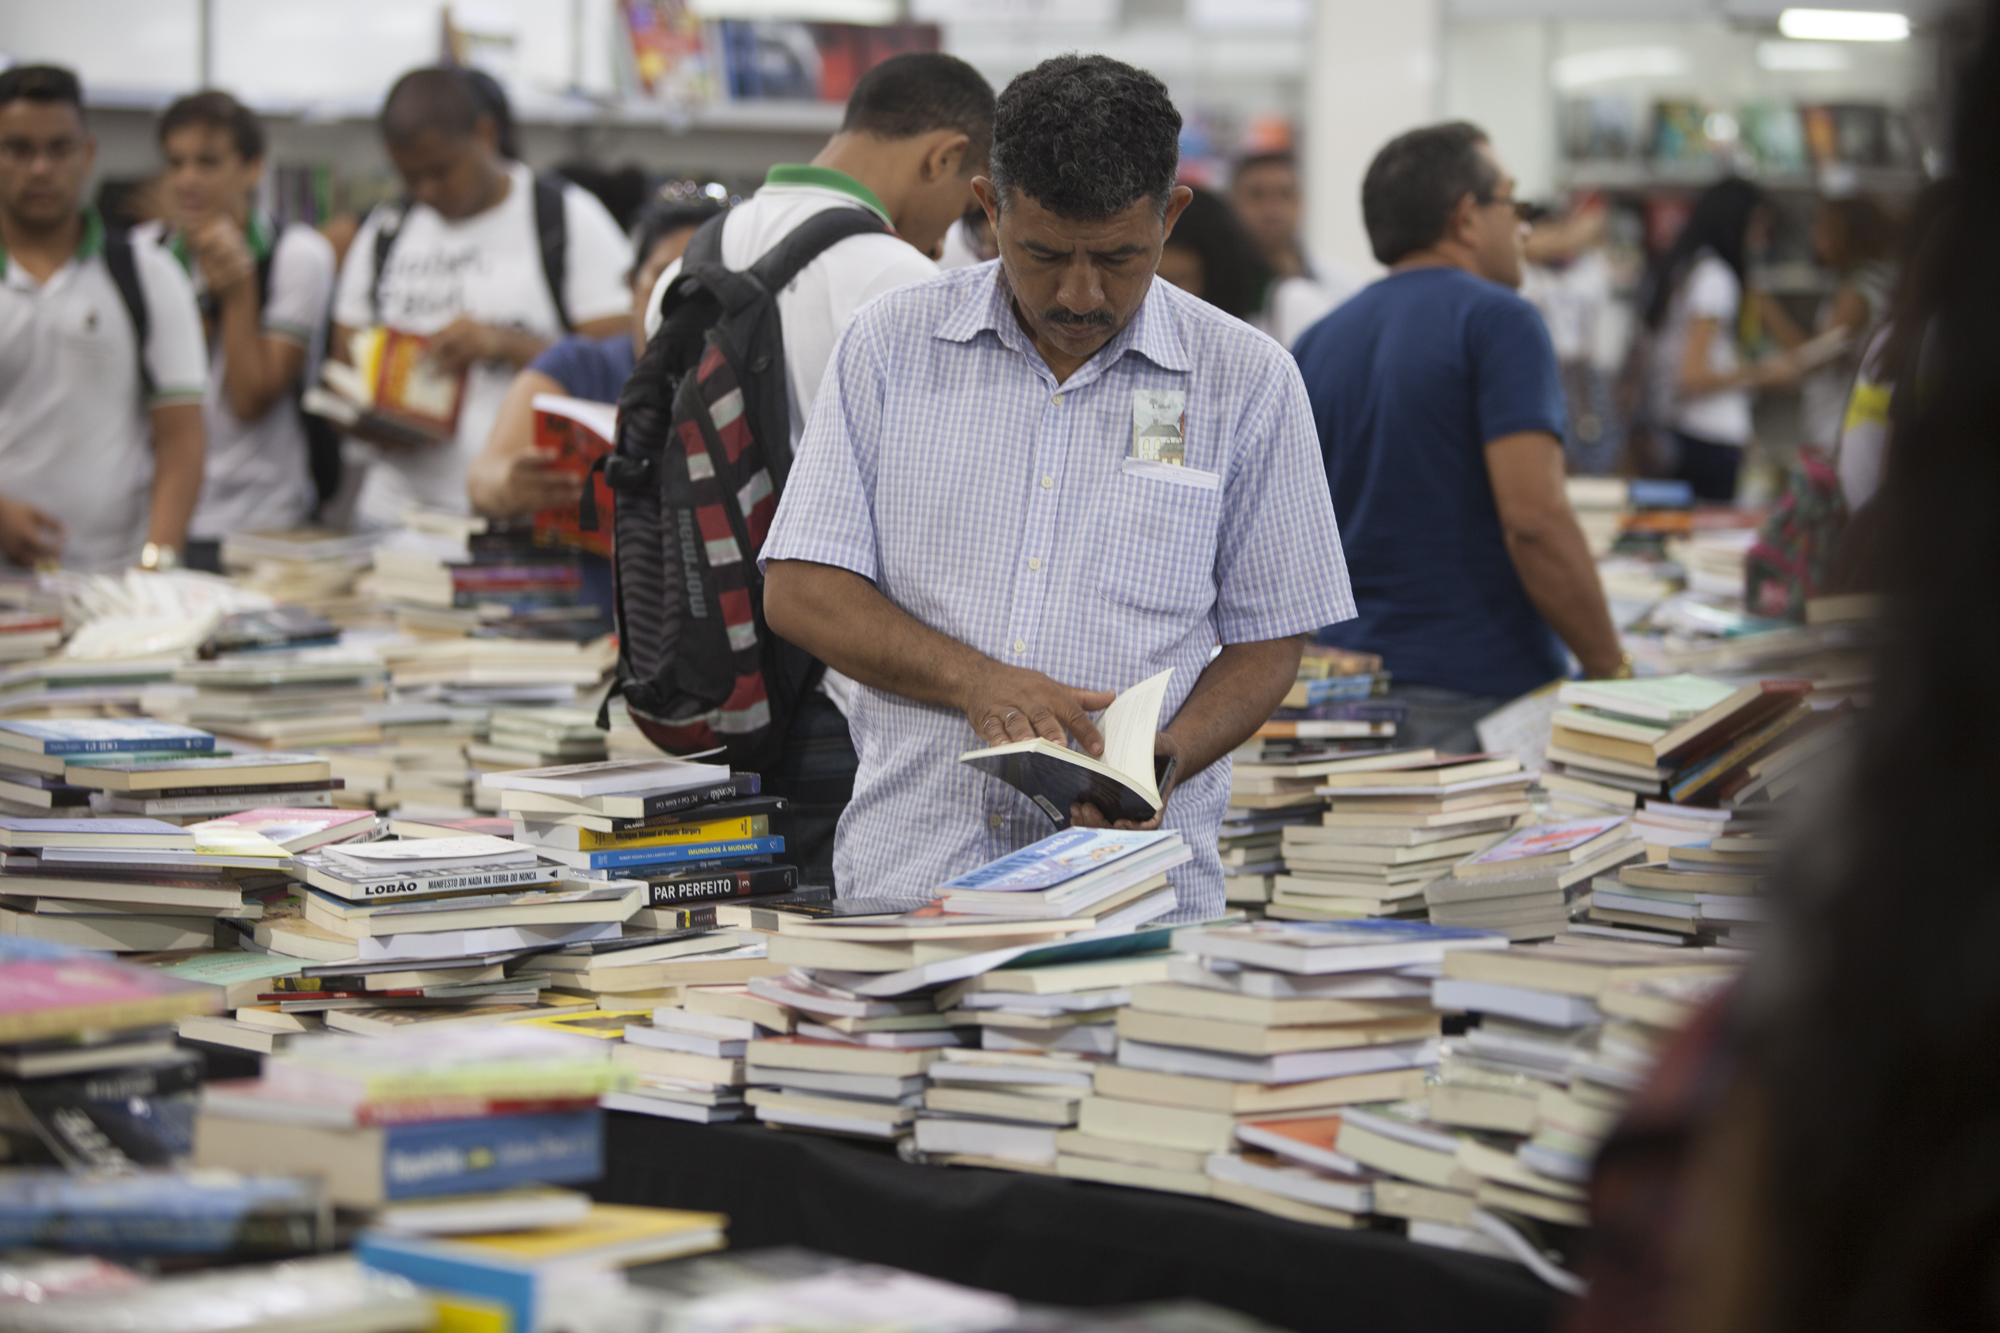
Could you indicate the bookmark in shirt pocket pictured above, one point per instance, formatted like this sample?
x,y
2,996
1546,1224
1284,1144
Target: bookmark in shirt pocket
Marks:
x,y
1172,474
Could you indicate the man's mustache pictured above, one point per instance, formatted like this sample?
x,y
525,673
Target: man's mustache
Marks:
x,y
1070,319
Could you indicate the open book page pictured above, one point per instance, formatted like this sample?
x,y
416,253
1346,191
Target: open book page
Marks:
x,y
1129,726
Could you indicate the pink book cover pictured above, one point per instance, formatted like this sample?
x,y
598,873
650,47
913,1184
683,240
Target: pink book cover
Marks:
x,y
1546,838
36,993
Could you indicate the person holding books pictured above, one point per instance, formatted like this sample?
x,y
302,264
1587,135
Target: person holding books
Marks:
x,y
1029,484
482,259
1439,403
101,362
264,295
510,477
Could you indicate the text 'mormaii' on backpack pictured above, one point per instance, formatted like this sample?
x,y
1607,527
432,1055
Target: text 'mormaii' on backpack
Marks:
x,y
703,448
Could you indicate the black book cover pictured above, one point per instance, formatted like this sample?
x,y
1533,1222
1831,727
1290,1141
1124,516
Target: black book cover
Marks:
x,y
721,885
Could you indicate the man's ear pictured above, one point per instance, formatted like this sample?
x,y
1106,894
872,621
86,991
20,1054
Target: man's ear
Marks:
x,y
989,199
1464,225
1177,203
945,157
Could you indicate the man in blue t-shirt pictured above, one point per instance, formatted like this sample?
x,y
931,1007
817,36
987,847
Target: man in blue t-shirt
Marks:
x,y
1440,413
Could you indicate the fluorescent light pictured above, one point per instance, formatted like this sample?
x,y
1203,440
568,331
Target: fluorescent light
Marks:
x,y
1843,25
1802,57
1617,63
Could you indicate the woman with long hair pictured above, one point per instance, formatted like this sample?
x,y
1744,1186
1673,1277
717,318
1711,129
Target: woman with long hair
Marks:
x,y
1695,298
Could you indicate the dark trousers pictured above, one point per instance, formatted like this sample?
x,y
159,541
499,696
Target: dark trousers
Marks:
x,y
1709,467
1441,719
816,773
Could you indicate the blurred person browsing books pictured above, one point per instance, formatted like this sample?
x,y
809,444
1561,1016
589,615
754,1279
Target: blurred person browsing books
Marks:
x,y
918,129
1440,413
1815,1155
264,296
1568,278
1697,302
484,260
510,477
1854,238
1030,484
1265,194
100,355
1209,254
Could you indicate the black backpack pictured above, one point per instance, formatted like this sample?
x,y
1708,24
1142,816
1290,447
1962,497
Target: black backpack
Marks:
x,y
704,445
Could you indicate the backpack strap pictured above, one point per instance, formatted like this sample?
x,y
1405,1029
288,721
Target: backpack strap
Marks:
x,y
124,268
552,235
386,232
811,239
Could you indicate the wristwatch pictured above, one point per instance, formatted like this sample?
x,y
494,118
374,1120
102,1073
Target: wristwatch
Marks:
x,y
159,558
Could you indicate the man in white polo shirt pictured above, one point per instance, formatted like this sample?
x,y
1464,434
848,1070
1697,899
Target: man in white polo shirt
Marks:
x,y
101,359
264,295
918,129
465,264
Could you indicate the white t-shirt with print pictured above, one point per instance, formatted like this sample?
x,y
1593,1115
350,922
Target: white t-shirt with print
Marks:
x,y
1710,291
75,434
487,267
256,475
816,306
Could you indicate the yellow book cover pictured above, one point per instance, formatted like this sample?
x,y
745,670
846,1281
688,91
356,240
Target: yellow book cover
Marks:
x,y
713,830
614,1233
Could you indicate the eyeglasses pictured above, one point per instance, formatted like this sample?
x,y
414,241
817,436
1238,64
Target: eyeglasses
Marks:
x,y
24,152
1523,210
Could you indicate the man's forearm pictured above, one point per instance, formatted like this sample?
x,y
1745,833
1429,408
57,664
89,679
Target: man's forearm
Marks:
x,y
177,461
1234,696
845,621
1554,563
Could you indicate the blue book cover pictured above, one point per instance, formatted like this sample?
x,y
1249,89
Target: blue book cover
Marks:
x,y
1339,687
460,1284
1057,859
616,858
101,735
161,1212
477,1156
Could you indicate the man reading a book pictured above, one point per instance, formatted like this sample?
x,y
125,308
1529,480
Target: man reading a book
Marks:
x,y
1029,485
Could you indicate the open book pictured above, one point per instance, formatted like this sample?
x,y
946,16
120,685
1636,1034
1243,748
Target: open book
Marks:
x,y
1124,784
576,432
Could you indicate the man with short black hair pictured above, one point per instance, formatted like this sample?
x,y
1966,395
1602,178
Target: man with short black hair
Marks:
x,y
101,362
489,262
264,296
986,528
1265,193
1440,412
917,131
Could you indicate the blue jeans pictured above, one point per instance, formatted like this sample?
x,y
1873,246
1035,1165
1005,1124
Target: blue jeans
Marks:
x,y
1710,467
816,774
1441,719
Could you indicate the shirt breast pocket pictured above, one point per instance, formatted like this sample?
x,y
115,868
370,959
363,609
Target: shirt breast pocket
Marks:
x,y
1155,542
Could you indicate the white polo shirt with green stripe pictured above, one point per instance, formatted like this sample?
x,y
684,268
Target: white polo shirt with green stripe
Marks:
x,y
258,476
75,437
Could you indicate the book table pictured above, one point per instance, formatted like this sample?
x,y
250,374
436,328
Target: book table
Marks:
x,y
1059,1242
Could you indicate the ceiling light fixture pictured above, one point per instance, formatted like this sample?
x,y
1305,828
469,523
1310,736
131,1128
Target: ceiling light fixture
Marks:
x,y
1843,25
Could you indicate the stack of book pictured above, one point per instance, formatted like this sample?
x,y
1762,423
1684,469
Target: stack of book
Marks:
x,y
533,738
27,635
1521,1101
688,1057
451,574
690,833
649,966
90,1078
88,689
1043,1030
1704,892
1529,882
280,701
131,885
417,1116
1393,823
306,567
871,983
198,784
1270,1020
1690,741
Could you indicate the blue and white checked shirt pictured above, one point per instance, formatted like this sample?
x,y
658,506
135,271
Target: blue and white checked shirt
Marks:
x,y
944,463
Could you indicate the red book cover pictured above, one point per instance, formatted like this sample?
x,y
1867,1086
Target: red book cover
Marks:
x,y
575,433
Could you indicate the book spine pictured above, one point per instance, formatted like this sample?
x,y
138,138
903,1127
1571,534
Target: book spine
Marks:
x,y
258,1216
739,784
685,918
409,887
761,882
475,1156
466,1291
153,744
216,805
707,851
748,826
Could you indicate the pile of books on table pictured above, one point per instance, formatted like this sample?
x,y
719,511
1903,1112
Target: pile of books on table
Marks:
x,y
1530,882
72,690
90,1078
277,700
451,574
131,885
1563,1034
873,985
1393,823
1705,891
26,635
1269,1020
